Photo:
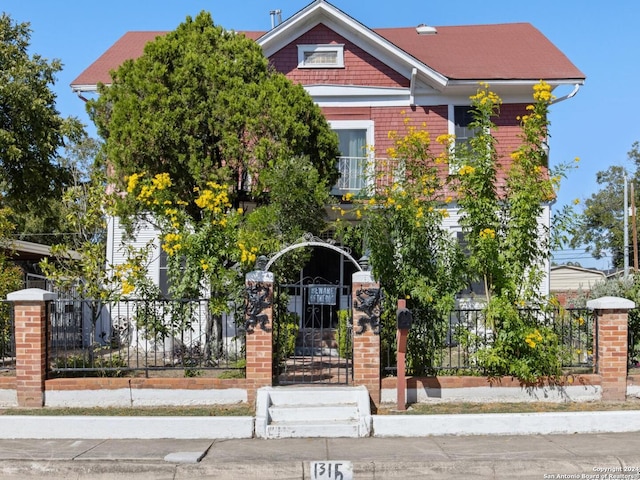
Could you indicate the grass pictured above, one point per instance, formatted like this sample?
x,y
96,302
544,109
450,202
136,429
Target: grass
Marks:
x,y
243,409
499,407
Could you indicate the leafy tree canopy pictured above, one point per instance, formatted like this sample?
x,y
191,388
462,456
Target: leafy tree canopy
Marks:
x,y
602,222
31,129
202,104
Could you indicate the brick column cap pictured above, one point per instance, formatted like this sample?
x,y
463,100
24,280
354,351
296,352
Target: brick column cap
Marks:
x,y
610,303
364,276
259,276
31,295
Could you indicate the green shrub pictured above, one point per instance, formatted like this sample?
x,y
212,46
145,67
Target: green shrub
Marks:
x,y
521,347
344,335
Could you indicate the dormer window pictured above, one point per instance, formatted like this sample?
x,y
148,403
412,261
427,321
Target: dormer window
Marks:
x,y
321,56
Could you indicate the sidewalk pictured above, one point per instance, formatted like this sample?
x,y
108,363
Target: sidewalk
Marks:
x,y
603,455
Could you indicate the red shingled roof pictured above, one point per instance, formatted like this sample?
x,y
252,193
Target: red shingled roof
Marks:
x,y
512,51
516,51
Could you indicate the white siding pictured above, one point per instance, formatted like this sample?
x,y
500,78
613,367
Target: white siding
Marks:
x,y
116,253
566,278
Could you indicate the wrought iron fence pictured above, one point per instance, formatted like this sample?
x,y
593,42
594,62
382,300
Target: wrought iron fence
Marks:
x,y
7,338
439,345
88,337
633,350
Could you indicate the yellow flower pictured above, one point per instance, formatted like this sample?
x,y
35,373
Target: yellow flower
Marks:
x,y
204,265
127,288
466,170
161,181
347,197
542,92
488,233
576,201
132,182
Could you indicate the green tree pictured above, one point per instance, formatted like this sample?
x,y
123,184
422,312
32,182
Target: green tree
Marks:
x,y
208,142
507,247
31,129
601,225
202,104
79,261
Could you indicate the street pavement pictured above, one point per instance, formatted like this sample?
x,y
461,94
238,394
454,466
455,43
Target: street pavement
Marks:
x,y
596,456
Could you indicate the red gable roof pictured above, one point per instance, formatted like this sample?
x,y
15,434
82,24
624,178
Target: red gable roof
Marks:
x,y
515,51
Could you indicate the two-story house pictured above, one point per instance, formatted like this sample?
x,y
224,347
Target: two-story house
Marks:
x,y
363,78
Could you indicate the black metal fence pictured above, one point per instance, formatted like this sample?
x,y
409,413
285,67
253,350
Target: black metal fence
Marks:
x,y
449,345
91,338
7,339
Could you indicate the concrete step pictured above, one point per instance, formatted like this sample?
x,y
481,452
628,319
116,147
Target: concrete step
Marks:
x,y
325,429
298,412
314,395
313,413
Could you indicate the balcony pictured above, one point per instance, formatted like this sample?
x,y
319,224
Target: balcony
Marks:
x,y
353,176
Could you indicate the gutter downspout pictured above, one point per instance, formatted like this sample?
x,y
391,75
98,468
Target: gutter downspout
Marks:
x,y
84,99
571,94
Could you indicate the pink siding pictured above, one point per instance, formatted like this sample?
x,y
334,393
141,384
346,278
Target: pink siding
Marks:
x,y
388,119
360,68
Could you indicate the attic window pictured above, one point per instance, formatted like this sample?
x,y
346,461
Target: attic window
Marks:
x,y
321,56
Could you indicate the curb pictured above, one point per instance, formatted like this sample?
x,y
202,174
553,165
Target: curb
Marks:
x,y
156,427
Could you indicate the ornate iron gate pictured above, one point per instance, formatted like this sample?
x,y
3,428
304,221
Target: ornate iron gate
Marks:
x,y
312,333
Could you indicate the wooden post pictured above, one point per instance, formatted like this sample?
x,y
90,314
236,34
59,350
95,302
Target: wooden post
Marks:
x,y
401,386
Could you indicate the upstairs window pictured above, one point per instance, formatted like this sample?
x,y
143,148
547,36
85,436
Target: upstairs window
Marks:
x,y
321,56
461,117
354,161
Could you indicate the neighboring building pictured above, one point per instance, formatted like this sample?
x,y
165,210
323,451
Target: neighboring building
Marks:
x,y
27,256
367,80
569,282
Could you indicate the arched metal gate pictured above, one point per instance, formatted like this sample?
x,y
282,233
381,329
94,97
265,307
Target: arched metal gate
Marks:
x,y
312,324
312,337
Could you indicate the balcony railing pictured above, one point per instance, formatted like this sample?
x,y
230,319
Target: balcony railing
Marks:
x,y
353,176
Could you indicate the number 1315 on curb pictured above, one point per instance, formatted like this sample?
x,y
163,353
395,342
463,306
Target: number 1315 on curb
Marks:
x,y
332,470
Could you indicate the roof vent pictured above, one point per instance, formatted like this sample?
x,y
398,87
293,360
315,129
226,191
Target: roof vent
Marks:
x,y
276,17
423,29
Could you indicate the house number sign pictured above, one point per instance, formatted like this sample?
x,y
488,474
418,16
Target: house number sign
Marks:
x,y
322,295
331,470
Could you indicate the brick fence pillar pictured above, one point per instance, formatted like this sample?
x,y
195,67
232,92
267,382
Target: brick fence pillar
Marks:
x,y
30,317
610,350
259,323
366,307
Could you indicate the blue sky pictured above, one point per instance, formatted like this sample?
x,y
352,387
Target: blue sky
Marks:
x,y
598,125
